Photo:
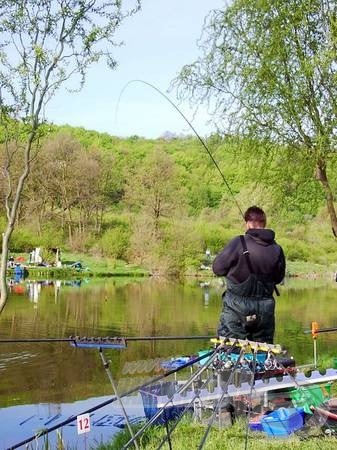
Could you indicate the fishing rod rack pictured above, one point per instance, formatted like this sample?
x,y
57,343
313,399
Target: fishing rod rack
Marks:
x,y
246,357
214,395
248,345
262,365
98,342
120,342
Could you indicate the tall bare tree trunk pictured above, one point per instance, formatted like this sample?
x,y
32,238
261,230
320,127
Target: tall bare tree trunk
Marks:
x,y
3,270
12,211
321,176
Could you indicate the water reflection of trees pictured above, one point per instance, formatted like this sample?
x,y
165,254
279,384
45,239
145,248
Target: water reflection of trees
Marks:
x,y
60,372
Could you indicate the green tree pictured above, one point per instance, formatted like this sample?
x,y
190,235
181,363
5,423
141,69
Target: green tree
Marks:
x,y
44,44
153,188
268,70
58,189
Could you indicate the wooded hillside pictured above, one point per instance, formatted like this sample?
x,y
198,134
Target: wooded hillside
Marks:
x,y
161,203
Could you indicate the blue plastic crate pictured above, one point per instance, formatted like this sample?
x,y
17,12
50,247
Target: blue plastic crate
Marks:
x,y
255,424
283,421
175,363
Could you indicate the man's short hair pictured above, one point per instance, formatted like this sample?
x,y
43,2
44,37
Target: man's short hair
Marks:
x,y
255,214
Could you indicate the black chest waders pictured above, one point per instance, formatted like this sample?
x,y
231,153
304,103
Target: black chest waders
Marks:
x,y
249,306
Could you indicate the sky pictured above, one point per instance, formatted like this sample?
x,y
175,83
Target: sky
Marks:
x,y
159,40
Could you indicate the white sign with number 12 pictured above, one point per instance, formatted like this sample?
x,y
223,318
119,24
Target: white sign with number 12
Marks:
x,y
83,423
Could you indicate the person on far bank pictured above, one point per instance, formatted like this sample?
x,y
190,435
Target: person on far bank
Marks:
x,y
253,264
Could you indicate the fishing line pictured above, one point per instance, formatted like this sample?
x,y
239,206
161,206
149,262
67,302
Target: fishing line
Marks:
x,y
192,128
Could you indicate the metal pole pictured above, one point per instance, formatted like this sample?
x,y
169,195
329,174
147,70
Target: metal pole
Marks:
x,y
106,367
315,353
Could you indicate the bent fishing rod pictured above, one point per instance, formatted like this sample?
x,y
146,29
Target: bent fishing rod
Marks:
x,y
192,128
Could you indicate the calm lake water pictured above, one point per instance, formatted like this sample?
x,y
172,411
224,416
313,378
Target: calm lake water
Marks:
x,y
39,381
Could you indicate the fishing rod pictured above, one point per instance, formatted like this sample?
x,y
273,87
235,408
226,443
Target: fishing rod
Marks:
x,y
186,409
106,365
325,330
192,128
29,340
166,338
315,329
105,341
250,398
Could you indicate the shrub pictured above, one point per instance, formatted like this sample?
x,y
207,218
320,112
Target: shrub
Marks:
x,y
115,242
23,240
81,242
214,236
51,237
295,250
180,247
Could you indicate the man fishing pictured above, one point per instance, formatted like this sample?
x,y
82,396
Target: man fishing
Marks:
x,y
253,265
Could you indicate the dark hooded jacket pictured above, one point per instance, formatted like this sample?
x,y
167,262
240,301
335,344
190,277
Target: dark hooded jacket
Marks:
x,y
266,258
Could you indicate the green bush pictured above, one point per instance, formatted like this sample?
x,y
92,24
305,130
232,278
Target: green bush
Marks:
x,y
180,246
296,250
51,237
115,242
23,240
325,254
214,236
48,256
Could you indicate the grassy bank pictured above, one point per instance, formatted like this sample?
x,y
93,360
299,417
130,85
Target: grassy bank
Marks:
x,y
310,270
91,266
106,267
189,434
87,266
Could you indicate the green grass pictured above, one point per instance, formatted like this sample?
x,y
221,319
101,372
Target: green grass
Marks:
x,y
188,435
92,267
310,269
98,266
101,266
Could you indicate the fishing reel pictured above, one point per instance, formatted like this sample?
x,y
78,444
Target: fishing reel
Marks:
x,y
221,363
271,363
